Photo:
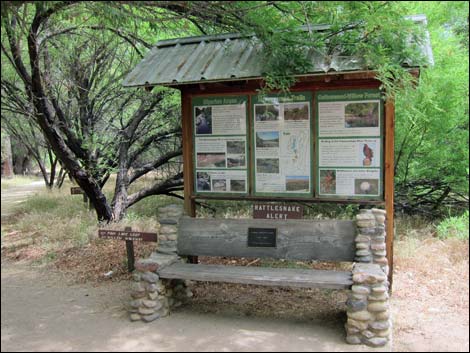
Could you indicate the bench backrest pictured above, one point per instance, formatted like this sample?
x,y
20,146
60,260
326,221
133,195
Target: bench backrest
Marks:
x,y
330,240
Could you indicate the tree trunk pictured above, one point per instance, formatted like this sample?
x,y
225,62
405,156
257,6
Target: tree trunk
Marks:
x,y
21,164
7,163
120,201
60,178
44,175
47,122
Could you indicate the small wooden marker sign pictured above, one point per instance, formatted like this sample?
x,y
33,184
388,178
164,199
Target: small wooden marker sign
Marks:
x,y
129,236
76,190
273,211
126,235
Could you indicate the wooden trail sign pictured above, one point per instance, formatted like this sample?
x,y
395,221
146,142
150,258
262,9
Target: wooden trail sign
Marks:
x,y
129,236
76,190
277,211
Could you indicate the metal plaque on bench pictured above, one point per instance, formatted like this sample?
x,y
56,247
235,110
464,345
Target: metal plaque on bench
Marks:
x,y
262,237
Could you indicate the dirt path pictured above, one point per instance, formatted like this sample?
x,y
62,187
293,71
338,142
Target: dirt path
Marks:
x,y
430,299
15,195
40,312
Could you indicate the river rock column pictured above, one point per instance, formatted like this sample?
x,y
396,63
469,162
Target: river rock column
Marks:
x,y
370,239
153,297
177,290
368,308
378,246
168,217
148,292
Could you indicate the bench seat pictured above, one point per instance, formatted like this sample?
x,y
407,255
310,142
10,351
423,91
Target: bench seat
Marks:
x,y
284,277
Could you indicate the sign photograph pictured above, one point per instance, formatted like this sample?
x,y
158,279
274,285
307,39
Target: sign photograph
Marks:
x,y
221,181
338,116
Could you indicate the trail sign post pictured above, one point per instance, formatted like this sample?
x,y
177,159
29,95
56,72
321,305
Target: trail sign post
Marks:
x,y
77,190
129,236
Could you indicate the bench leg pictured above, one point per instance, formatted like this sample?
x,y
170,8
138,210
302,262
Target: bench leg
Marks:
x,y
368,308
152,296
149,301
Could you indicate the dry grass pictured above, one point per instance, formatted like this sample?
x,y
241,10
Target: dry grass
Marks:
x,y
430,300
436,267
57,229
89,263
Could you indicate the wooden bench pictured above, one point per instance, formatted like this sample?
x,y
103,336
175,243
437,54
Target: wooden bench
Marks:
x,y
295,240
161,281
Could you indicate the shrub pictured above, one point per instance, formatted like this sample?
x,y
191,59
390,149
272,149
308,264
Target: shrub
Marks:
x,y
454,227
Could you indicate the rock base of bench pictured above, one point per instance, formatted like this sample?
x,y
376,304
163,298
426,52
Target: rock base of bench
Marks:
x,y
370,241
153,297
368,308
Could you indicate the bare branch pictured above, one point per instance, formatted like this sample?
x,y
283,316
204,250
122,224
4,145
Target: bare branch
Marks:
x,y
157,189
154,165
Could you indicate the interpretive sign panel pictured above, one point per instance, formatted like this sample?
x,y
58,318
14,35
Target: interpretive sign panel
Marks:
x,y
349,153
274,149
282,144
220,144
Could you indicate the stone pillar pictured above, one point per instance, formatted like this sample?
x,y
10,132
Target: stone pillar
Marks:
x,y
148,293
168,217
153,297
370,240
378,245
368,308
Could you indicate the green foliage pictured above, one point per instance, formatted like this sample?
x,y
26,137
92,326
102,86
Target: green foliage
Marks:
x,y
454,227
432,118
376,32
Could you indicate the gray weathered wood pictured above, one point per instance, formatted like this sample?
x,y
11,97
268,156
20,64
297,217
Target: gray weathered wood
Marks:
x,y
296,239
284,277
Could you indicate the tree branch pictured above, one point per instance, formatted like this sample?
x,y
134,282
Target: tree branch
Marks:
x,y
151,166
157,189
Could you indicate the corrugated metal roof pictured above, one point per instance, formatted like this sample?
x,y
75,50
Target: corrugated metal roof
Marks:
x,y
226,57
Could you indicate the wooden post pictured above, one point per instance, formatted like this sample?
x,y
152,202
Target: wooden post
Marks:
x,y
389,180
188,171
130,252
